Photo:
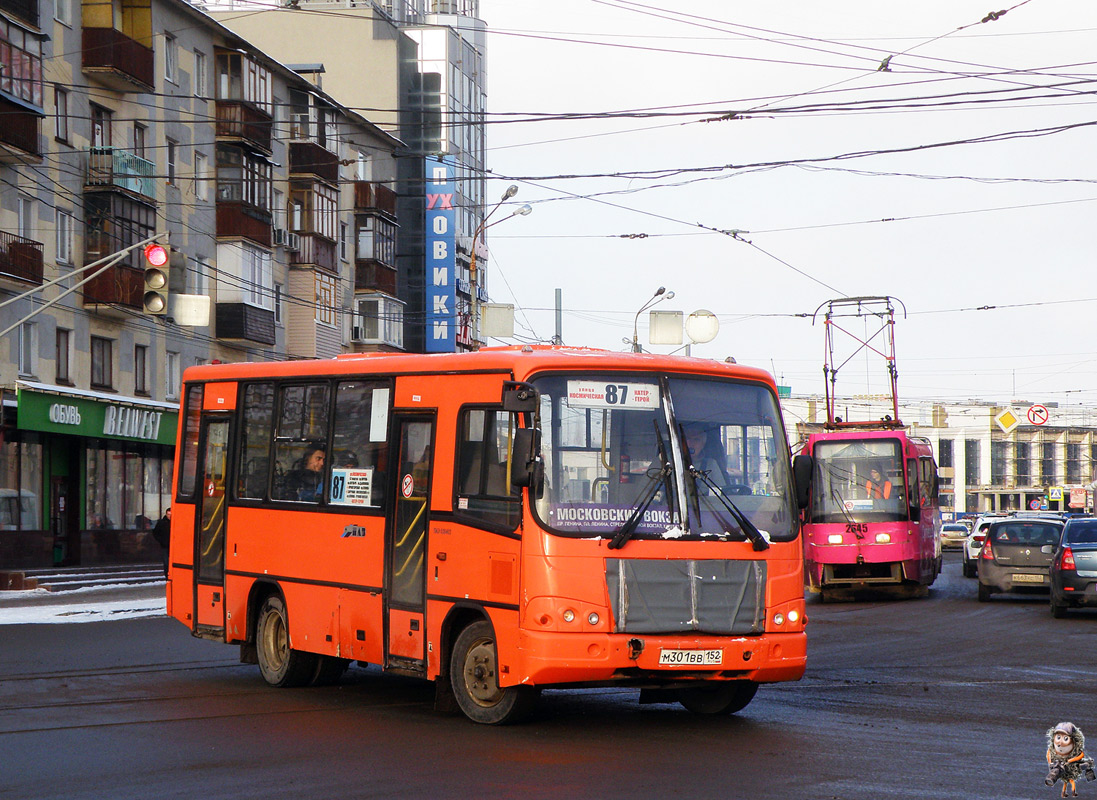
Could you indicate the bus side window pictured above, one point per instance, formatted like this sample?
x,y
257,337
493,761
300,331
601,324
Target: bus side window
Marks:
x,y
484,437
302,432
359,440
254,461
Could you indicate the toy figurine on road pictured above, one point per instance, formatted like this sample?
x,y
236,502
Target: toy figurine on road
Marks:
x,y
1066,757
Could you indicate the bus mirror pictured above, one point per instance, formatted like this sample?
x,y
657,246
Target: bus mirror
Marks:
x,y
527,452
519,396
802,466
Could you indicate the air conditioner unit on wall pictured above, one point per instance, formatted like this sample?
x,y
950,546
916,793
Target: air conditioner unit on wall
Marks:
x,y
356,333
293,241
280,236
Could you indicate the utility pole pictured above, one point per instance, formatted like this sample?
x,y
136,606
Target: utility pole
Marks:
x,y
559,337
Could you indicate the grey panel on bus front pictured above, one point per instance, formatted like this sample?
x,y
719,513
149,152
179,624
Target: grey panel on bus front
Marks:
x,y
666,596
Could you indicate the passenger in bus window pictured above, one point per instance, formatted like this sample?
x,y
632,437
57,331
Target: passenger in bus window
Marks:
x,y
704,455
877,486
306,481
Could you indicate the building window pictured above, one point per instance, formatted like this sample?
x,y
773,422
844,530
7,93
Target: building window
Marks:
x,y
200,184
944,453
62,12
20,61
61,113
256,276
380,320
25,221
326,299
140,135
100,126
63,356
171,375
28,349
171,57
102,362
171,160
140,369
1047,464
65,227
971,462
362,168
201,273
201,84
315,210
242,177
377,240
344,245
277,304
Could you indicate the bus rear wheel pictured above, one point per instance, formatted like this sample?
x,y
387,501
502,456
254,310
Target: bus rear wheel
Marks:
x,y
279,664
474,676
713,697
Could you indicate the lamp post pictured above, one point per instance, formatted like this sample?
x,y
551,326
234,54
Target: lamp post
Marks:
x,y
521,211
660,295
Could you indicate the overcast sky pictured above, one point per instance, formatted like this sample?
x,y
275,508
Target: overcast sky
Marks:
x,y
1005,221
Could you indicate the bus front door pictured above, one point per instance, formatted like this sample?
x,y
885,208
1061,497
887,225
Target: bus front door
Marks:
x,y
406,545
209,573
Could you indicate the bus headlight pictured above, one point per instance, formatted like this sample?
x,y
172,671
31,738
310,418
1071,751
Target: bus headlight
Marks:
x,y
883,538
793,616
778,619
568,615
593,618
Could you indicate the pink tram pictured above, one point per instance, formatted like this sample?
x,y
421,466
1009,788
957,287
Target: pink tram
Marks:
x,y
873,521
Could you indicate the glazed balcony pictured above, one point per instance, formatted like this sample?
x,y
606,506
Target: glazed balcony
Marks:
x,y
26,10
115,168
240,121
19,139
20,259
309,158
316,251
240,322
370,196
239,219
373,276
117,61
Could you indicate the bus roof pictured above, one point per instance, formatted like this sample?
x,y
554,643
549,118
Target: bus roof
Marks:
x,y
521,361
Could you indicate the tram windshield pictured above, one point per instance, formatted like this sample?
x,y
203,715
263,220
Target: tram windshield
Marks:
x,y
858,480
618,451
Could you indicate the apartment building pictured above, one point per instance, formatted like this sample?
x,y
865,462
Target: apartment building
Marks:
x,y
127,119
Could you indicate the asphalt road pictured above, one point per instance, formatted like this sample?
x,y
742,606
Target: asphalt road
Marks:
x,y
942,697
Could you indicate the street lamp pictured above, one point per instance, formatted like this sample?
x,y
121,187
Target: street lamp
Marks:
x,y
660,295
521,211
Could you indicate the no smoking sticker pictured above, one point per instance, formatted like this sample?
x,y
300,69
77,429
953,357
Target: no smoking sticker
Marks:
x,y
406,485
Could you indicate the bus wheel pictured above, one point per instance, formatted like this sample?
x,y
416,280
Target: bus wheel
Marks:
x,y
280,665
723,697
474,674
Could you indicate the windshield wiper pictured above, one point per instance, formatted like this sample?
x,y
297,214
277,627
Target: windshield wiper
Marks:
x,y
758,541
655,479
845,511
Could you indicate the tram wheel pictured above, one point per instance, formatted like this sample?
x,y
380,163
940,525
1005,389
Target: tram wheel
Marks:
x,y
718,697
280,665
474,675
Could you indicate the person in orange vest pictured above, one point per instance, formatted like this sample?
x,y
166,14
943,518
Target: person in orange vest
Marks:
x,y
877,486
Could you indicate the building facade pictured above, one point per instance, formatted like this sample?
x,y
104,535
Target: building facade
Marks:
x,y
990,457
129,120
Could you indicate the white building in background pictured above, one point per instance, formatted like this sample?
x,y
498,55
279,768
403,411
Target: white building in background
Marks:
x,y
990,457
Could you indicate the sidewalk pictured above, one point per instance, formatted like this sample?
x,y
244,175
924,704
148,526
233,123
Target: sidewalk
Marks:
x,y
90,603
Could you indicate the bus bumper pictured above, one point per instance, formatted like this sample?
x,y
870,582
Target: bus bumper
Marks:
x,y
551,658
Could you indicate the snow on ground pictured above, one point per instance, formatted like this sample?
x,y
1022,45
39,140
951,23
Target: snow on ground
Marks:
x,y
92,604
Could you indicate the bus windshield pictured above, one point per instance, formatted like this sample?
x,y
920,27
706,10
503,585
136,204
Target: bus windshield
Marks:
x,y
858,480
614,443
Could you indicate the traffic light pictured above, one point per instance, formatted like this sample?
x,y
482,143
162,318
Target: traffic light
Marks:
x,y
157,264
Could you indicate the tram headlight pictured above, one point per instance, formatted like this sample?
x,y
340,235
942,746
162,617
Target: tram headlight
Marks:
x,y
834,538
883,538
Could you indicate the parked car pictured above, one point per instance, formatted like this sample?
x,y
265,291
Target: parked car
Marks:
x,y
1017,554
1074,567
953,534
974,544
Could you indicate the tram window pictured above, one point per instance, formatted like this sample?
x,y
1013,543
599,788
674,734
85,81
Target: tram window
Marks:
x,y
359,443
484,447
258,421
301,435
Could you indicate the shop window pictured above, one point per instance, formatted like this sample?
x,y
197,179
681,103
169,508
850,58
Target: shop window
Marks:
x,y
20,482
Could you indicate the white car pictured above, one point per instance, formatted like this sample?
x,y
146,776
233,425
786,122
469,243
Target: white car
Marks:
x,y
974,544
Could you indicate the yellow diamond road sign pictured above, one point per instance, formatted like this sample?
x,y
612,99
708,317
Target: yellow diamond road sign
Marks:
x,y
1007,421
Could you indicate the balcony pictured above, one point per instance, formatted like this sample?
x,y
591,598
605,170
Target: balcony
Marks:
x,y
309,158
369,196
240,121
373,276
26,10
20,259
315,251
19,139
117,61
118,292
244,220
244,323
115,168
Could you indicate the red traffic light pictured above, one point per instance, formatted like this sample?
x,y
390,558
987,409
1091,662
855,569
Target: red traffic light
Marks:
x,y
156,255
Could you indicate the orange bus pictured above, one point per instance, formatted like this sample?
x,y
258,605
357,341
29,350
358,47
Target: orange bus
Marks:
x,y
497,522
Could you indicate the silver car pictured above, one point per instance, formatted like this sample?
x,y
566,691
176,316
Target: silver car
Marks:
x,y
1017,554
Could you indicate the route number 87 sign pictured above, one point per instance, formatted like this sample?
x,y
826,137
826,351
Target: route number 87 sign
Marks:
x,y
603,394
